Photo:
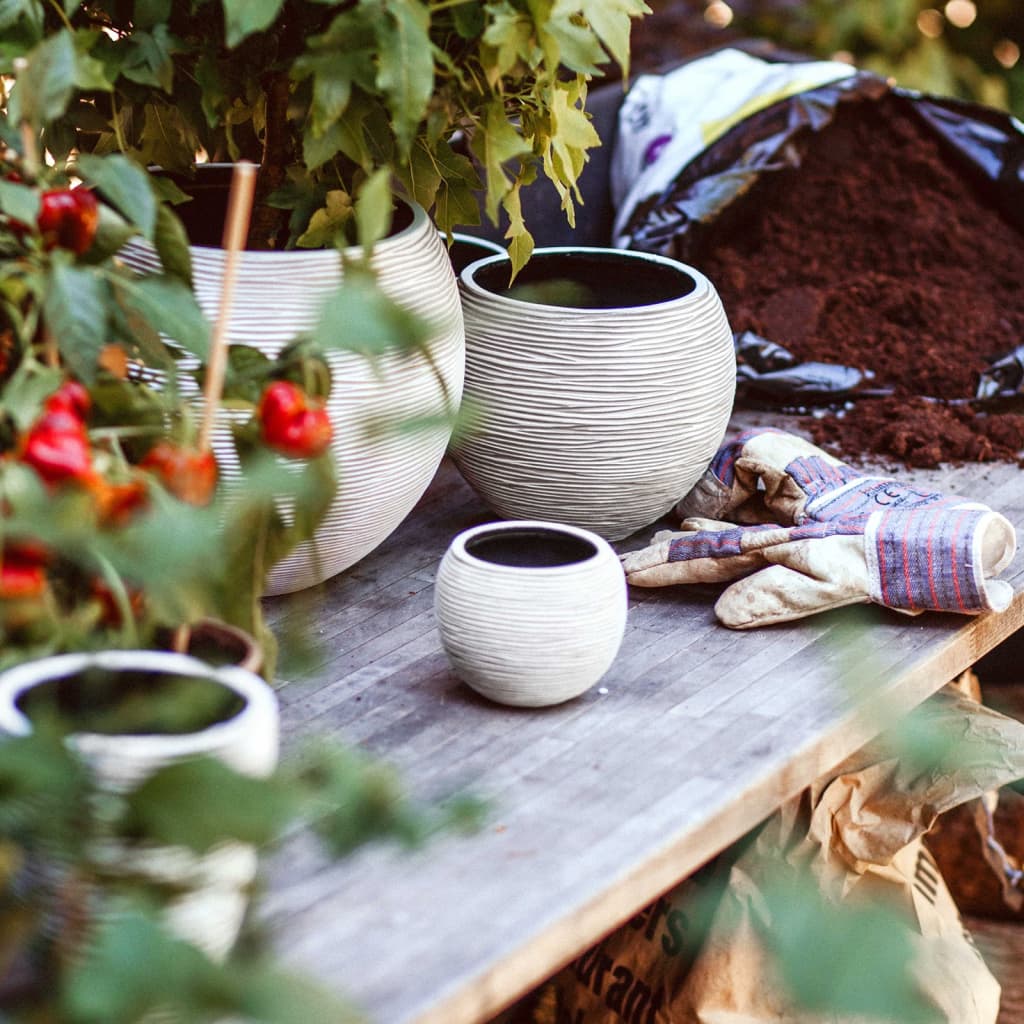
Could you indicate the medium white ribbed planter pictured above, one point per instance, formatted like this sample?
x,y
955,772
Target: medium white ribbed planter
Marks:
x,y
214,886
382,474
603,415
530,613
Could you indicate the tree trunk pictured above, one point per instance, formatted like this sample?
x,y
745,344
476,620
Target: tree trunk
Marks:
x,y
268,225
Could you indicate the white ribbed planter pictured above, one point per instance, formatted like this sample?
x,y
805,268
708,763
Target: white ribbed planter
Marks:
x,y
382,475
530,613
214,886
602,417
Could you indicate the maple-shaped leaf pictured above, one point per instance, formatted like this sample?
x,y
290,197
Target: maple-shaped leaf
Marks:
x,y
329,223
611,20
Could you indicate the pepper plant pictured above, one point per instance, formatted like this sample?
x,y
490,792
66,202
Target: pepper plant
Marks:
x,y
339,101
116,528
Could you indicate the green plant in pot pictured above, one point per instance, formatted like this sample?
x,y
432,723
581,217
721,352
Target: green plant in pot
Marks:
x,y
137,790
346,108
339,102
119,526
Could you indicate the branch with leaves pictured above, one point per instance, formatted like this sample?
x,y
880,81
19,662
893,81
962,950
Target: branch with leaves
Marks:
x,y
340,102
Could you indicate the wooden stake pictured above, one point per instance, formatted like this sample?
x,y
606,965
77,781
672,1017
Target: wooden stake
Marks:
x,y
236,228
29,142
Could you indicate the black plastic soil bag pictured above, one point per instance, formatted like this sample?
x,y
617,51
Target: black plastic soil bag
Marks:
x,y
986,144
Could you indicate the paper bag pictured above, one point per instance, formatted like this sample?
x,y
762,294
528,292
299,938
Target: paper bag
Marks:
x,y
714,950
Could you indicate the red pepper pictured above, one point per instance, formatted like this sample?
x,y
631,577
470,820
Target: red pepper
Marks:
x,y
21,576
116,503
70,397
290,424
57,447
68,219
187,473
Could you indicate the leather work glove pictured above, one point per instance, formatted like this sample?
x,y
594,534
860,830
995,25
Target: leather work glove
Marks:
x,y
854,540
769,476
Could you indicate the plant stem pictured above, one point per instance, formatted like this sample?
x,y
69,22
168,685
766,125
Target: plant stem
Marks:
x,y
121,599
122,142
59,8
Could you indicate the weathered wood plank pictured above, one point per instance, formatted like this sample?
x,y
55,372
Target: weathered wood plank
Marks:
x,y
597,806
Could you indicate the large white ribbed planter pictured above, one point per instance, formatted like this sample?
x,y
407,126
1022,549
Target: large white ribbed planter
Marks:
x,y
530,613
601,416
381,474
214,886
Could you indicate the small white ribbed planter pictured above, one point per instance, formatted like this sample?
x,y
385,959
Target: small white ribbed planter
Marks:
x,y
602,416
382,474
530,613
214,886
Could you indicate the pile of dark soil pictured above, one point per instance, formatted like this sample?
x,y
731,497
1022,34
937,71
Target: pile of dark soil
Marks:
x,y
880,253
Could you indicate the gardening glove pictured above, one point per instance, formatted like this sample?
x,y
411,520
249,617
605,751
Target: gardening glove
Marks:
x,y
767,475
908,560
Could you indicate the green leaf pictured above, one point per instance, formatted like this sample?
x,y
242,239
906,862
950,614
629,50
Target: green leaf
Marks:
x,y
243,17
268,994
213,98
11,11
611,20
44,88
168,306
201,802
171,241
421,176
454,199
328,225
360,318
405,70
149,13
318,149
114,981
149,60
19,202
469,19
520,247
578,47
374,205
26,389
496,144
168,140
75,311
112,232
841,960
90,73
167,191
510,33
124,184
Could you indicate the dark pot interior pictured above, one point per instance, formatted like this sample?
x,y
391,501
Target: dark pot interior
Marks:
x,y
205,214
530,548
588,280
463,251
130,703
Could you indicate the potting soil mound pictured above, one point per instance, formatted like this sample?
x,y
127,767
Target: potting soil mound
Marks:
x,y
879,253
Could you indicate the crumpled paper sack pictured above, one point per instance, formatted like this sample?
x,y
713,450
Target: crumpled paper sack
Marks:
x,y
854,839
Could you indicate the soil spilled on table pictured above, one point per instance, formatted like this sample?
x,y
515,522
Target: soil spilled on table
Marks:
x,y
879,253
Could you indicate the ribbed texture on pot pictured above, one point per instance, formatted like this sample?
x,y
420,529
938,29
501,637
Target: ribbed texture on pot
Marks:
x,y
602,418
530,637
382,473
213,888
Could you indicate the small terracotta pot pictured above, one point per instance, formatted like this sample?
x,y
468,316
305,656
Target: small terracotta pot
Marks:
x,y
218,643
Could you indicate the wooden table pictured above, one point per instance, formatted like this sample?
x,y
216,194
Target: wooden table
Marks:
x,y
597,806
